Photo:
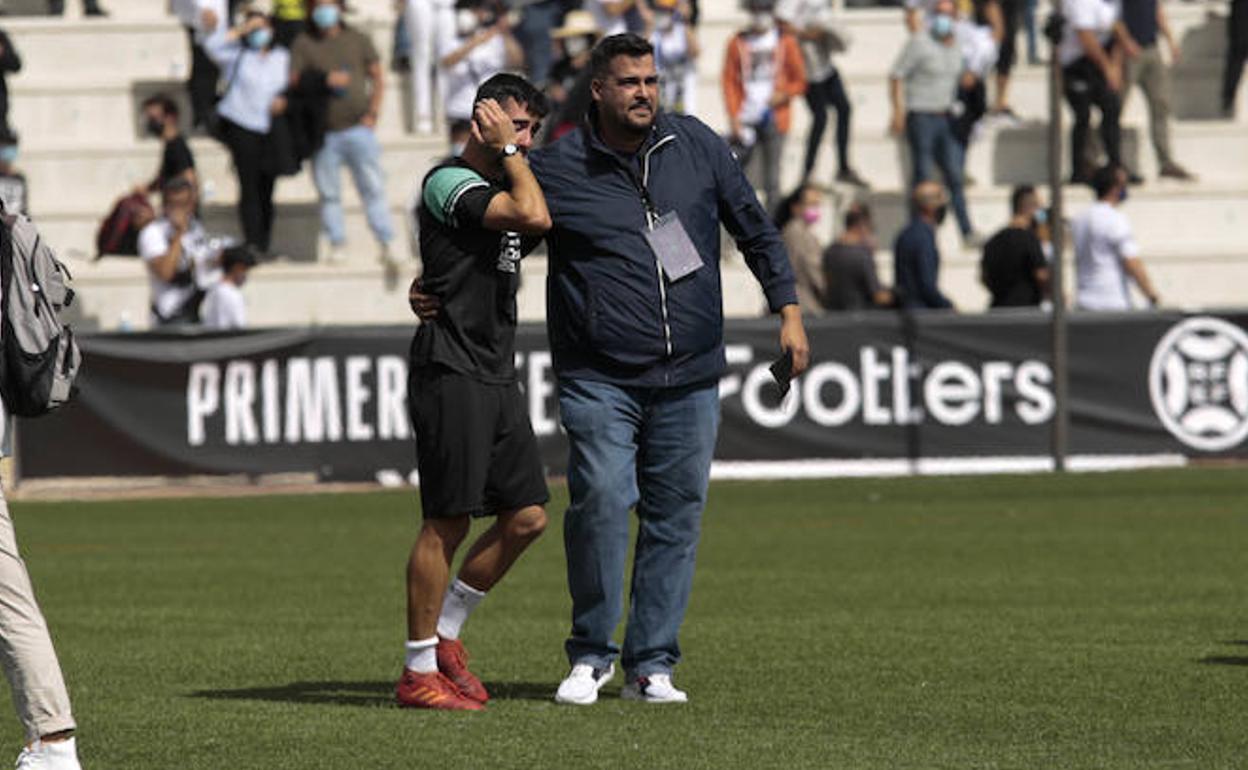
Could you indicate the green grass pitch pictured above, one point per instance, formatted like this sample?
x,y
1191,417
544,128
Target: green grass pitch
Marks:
x,y
1092,621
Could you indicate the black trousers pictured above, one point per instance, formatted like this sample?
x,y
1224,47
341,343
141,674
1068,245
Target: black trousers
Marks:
x,y
1085,87
820,96
1236,51
202,85
255,184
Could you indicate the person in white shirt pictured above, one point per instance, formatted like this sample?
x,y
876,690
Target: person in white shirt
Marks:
x,y
256,75
1092,76
1107,258
424,18
474,44
201,86
676,52
821,37
224,306
179,257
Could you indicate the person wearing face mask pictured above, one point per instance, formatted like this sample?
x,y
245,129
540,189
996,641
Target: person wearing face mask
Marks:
x,y
13,191
1013,267
346,71
477,47
797,219
161,121
916,258
923,85
676,50
257,75
1107,257
763,72
567,86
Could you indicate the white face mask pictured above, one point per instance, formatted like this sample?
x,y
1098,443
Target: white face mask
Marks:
x,y
761,21
575,46
465,22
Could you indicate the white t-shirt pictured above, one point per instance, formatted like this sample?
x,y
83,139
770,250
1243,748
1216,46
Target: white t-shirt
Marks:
x,y
1099,16
803,14
224,307
461,81
1103,241
671,58
198,251
758,65
979,50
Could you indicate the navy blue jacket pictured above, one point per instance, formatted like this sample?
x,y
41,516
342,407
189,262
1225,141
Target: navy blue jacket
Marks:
x,y
916,267
611,314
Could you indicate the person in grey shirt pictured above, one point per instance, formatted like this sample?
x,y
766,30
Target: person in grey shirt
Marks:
x,y
850,280
923,85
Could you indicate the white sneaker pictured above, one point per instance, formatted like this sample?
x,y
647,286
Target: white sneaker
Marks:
x,y
53,755
386,257
336,254
656,688
583,683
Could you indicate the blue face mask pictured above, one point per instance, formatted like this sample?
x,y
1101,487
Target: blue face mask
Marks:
x,y
1122,196
1041,216
259,38
8,154
942,26
325,16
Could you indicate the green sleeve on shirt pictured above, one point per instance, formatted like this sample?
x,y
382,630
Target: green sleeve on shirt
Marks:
x,y
444,189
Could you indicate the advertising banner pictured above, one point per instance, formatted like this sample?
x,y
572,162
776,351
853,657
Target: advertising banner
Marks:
x,y
882,387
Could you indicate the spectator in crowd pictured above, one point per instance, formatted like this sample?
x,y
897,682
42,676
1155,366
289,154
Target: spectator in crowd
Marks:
x,y
478,47
290,17
567,85
615,17
977,37
201,85
10,63
916,258
14,194
763,72
178,255
224,306
1014,268
260,75
1007,55
812,23
1146,21
352,73
538,19
1106,254
1092,76
161,121
676,52
1236,54
849,276
923,85
424,19
796,221
89,8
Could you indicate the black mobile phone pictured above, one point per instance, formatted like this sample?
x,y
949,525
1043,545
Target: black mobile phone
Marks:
x,y
782,370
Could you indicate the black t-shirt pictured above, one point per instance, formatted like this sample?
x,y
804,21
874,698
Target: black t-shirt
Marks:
x,y
1140,16
473,271
1011,258
177,158
849,275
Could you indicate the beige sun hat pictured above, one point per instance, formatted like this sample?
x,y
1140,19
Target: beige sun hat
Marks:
x,y
575,24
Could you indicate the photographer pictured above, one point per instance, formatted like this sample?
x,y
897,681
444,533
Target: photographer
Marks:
x,y
179,257
478,46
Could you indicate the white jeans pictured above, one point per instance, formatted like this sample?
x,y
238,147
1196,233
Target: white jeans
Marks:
x,y
26,651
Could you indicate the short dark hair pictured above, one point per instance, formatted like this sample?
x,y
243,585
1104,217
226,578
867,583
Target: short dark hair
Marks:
x,y
1019,195
176,184
857,214
625,44
505,85
165,102
1105,179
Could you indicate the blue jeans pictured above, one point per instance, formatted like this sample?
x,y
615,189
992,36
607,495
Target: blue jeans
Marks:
x,y
359,149
931,139
644,447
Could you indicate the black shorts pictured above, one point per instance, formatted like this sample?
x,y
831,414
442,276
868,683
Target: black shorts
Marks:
x,y
475,448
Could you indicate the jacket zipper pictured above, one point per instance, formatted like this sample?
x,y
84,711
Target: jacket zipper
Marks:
x,y
645,180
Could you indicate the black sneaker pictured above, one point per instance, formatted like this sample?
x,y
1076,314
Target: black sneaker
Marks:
x,y
849,176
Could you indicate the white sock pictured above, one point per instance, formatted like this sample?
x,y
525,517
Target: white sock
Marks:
x,y
422,655
460,600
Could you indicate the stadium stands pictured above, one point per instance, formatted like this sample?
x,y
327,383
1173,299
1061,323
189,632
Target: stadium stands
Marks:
x,y
75,104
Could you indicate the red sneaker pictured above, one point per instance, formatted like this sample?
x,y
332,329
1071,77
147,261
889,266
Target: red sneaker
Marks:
x,y
431,691
453,662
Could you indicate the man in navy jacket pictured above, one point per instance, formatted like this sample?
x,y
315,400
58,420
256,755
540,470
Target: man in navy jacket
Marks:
x,y
916,258
638,355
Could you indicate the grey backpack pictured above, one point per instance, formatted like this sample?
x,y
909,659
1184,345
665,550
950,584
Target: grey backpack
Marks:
x,y
38,356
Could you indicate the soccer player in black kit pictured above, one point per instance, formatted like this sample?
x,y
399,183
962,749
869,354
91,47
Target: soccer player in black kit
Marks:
x,y
476,452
